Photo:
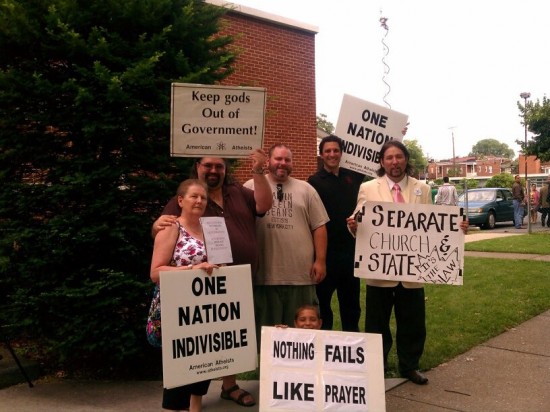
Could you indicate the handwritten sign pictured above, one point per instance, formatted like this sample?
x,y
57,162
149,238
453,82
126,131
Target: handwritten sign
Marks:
x,y
216,240
208,327
316,370
410,242
216,121
365,127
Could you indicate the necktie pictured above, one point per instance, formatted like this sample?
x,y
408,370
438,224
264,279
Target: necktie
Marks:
x,y
397,196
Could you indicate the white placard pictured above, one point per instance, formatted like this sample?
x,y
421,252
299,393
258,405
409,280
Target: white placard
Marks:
x,y
216,240
318,370
216,121
410,242
208,327
365,127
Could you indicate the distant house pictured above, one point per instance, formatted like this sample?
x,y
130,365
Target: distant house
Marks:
x,y
483,168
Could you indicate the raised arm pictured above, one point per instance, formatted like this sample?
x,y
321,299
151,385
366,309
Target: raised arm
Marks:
x,y
262,190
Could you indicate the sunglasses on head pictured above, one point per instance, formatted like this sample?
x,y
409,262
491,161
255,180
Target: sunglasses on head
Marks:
x,y
280,193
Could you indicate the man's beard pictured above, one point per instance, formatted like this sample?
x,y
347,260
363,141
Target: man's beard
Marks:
x,y
212,180
274,171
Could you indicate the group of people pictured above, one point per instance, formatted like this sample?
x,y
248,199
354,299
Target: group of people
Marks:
x,y
538,201
299,239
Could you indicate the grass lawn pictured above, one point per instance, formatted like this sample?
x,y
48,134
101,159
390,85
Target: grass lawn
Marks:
x,y
535,243
497,294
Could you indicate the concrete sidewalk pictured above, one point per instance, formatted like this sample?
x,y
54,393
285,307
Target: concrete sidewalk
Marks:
x,y
510,372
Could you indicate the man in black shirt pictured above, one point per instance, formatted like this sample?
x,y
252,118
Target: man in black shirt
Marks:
x,y
338,190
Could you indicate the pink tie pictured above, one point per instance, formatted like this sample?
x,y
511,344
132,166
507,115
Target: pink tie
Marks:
x,y
397,196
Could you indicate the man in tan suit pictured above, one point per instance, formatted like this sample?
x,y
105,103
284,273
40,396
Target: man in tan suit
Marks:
x,y
395,184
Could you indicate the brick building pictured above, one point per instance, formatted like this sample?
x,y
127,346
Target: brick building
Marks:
x,y
484,168
469,167
534,165
278,54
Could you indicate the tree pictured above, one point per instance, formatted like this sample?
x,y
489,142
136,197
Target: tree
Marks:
x,y
324,124
417,158
470,184
500,180
491,147
84,161
537,115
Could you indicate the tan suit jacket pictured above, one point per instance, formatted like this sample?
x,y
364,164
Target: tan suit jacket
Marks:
x,y
378,190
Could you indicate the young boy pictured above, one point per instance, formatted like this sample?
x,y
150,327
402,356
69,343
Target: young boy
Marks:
x,y
306,317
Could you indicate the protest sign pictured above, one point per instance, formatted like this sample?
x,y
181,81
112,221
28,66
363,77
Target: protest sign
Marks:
x,y
317,370
216,121
365,127
410,242
216,240
208,327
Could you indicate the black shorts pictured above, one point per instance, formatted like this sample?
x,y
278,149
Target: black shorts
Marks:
x,y
178,398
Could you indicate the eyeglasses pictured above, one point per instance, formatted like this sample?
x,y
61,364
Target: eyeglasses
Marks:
x,y
280,193
208,166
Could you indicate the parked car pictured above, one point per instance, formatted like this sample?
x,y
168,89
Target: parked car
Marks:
x,y
488,205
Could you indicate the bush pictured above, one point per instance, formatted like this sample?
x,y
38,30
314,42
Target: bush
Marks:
x,y
84,165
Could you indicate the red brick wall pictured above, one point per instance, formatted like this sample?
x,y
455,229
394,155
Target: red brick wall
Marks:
x,y
488,167
281,59
533,165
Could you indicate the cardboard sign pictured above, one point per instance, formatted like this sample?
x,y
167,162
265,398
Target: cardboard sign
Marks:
x,y
216,121
410,242
365,127
208,327
317,370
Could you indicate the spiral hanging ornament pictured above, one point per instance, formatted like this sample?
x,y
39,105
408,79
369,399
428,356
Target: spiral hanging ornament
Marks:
x,y
386,50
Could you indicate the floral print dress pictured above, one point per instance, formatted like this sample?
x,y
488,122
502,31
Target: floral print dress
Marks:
x,y
188,251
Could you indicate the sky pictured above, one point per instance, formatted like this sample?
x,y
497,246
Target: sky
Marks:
x,y
455,68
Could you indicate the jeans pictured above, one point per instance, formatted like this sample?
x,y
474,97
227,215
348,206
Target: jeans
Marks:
x,y
518,213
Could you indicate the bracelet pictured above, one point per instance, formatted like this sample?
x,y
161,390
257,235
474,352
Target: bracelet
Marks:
x,y
190,266
258,172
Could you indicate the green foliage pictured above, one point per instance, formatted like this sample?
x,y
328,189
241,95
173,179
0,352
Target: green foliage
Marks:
x,y
453,172
495,297
417,158
537,115
491,147
470,184
500,180
324,124
84,161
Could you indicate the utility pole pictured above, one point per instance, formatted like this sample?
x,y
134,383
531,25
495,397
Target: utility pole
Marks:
x,y
452,129
525,96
